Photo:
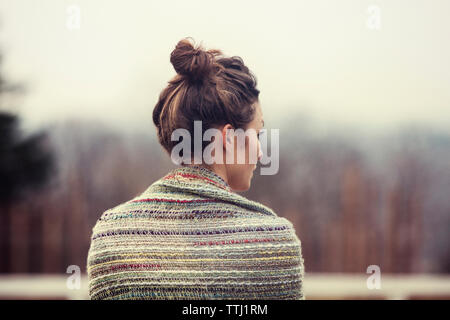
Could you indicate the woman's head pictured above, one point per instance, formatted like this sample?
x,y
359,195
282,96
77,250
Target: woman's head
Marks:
x,y
216,90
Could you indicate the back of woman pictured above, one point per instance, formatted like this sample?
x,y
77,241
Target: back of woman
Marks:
x,y
189,235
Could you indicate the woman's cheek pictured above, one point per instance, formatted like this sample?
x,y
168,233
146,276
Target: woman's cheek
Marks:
x,y
260,154
256,149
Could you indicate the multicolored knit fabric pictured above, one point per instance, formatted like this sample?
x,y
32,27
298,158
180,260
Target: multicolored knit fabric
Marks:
x,y
188,236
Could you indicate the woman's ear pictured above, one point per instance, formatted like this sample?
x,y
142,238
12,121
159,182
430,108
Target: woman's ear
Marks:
x,y
227,135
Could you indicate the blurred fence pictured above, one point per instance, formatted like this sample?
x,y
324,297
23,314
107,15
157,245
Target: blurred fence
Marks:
x,y
317,286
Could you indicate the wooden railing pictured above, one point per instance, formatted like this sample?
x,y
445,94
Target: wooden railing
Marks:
x,y
316,286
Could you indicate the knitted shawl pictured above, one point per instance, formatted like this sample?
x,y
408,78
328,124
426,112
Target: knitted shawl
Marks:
x,y
189,236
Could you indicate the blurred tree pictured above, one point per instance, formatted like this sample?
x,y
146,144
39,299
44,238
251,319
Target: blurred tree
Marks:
x,y
26,163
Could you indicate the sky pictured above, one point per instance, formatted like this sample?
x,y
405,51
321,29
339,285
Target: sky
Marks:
x,y
338,62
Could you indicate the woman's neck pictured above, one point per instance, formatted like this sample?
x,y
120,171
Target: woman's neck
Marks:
x,y
219,169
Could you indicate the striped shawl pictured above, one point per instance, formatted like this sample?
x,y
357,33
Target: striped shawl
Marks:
x,y
188,236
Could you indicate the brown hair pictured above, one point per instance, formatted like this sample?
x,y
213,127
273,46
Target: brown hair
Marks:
x,y
209,87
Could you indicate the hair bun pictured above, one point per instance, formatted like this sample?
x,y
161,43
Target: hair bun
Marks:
x,y
193,62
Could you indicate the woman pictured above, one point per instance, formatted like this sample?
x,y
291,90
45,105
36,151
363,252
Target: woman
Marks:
x,y
189,235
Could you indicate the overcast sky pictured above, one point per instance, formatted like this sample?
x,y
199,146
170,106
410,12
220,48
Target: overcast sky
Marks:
x,y
315,57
